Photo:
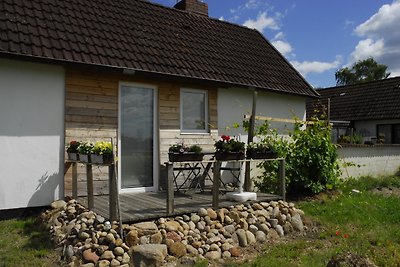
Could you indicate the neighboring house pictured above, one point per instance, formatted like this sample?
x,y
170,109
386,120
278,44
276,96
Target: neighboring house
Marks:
x,y
140,73
371,109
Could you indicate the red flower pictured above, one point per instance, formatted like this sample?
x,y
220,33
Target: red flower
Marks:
x,y
346,236
225,137
337,232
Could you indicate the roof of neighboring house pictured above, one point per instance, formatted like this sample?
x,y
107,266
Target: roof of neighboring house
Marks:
x,y
365,101
143,36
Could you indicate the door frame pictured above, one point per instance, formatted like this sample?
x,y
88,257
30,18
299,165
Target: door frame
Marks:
x,y
156,150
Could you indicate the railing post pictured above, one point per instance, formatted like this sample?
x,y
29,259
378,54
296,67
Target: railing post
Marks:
x,y
281,176
216,183
170,188
74,180
89,183
112,185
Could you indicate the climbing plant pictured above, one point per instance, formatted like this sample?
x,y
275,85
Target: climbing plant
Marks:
x,y
311,159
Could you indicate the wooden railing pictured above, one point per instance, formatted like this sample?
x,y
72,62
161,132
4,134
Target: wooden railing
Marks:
x,y
216,179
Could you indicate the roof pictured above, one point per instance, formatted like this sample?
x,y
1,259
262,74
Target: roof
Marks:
x,y
375,100
143,36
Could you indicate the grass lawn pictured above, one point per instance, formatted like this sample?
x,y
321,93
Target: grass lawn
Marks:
x,y
362,223
22,244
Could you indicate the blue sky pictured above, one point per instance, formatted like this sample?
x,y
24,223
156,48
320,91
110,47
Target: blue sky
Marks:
x,y
319,37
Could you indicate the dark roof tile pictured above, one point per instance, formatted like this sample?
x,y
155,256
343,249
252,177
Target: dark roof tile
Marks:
x,y
148,37
365,101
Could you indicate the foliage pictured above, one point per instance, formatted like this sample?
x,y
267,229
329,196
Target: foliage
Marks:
x,y
85,148
311,160
365,224
102,148
362,71
348,139
228,144
262,147
182,148
72,147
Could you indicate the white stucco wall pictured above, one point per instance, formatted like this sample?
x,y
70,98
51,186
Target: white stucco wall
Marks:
x,y
379,160
31,134
234,103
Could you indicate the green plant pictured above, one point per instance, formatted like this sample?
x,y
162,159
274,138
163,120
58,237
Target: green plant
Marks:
x,y
85,148
182,148
102,148
311,160
228,144
261,147
72,147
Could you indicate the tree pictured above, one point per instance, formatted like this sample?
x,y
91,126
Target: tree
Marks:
x,y
362,71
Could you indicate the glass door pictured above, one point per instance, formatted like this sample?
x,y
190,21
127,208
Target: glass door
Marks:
x,y
137,141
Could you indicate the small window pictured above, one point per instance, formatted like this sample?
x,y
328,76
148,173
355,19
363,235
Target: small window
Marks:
x,y
194,111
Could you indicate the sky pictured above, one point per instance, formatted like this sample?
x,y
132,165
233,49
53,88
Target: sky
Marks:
x,y
319,37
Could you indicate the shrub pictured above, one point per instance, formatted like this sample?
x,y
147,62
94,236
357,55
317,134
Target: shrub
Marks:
x,y
311,160
228,144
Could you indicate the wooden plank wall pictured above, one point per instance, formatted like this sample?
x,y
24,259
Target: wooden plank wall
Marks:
x,y
91,114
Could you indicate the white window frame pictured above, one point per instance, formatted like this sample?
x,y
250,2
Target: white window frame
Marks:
x,y
194,131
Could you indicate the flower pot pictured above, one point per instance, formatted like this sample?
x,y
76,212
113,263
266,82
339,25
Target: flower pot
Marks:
x,y
224,156
73,156
186,156
84,158
100,159
254,154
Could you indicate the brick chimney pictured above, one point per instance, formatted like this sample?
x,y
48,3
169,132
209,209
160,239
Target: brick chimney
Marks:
x,y
195,6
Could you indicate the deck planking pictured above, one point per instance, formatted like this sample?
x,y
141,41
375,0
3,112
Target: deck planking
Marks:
x,y
137,207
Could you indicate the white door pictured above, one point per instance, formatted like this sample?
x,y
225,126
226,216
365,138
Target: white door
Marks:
x,y
137,140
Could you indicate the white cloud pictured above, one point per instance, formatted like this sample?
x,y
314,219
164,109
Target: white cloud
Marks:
x,y
307,67
380,38
284,47
262,22
253,4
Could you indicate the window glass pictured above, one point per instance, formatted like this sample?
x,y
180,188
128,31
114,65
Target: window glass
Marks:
x,y
194,111
396,134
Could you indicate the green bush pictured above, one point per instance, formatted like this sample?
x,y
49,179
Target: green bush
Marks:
x,y
311,160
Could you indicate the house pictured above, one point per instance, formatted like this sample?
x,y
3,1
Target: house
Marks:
x,y
134,71
370,109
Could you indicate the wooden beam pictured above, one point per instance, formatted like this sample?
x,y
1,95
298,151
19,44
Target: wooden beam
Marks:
x,y
282,178
89,181
247,179
216,184
113,192
271,119
170,188
74,180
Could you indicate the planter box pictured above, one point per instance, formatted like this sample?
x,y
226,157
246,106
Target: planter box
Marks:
x,y
224,156
84,158
253,154
73,156
188,156
101,159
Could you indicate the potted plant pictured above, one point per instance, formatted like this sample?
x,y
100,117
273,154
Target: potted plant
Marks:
x,y
260,151
181,152
72,150
84,150
229,149
102,153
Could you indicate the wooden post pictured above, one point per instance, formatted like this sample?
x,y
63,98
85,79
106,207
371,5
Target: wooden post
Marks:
x,y
170,188
89,182
74,180
112,185
247,180
216,183
281,176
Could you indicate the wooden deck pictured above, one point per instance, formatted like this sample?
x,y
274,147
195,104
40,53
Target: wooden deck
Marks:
x,y
146,206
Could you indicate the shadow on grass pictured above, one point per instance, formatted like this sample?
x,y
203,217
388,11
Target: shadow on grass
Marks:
x,y
39,238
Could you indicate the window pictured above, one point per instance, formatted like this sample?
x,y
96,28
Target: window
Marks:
x,y
389,133
194,111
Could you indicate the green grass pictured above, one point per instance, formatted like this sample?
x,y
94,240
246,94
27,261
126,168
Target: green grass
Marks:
x,y
361,223
23,244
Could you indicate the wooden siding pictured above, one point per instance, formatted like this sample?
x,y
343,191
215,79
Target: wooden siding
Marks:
x,y
91,114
